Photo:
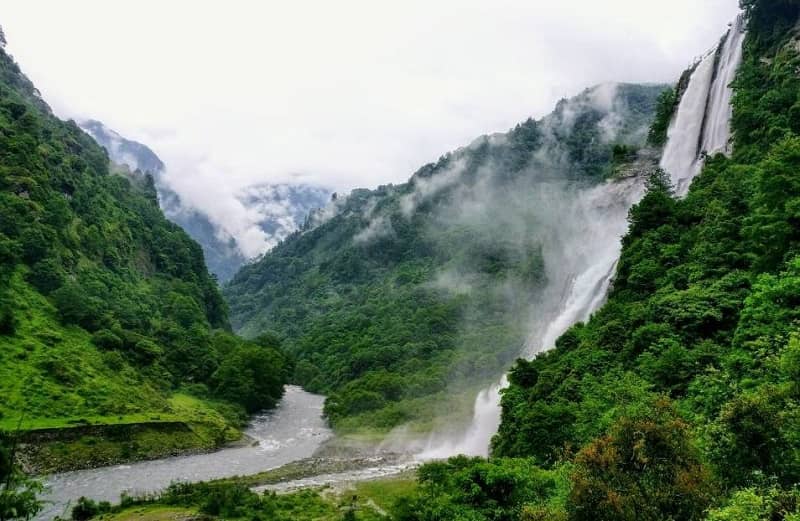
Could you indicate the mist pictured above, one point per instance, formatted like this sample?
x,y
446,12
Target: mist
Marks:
x,y
342,94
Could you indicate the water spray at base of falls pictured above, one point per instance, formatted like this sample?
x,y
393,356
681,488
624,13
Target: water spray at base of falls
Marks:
x,y
587,261
580,274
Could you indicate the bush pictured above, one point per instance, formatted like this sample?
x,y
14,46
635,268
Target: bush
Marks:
x,y
87,508
105,339
644,469
478,489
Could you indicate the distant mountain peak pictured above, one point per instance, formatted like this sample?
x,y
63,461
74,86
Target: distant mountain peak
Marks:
x,y
281,208
121,150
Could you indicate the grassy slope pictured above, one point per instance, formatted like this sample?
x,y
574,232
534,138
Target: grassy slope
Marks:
x,y
87,392
82,383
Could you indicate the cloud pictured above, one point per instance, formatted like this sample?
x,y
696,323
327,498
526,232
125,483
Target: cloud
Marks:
x,y
379,227
425,187
343,94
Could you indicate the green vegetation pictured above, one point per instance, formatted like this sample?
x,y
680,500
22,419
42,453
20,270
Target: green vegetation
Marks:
x,y
18,493
409,297
667,103
106,308
473,488
368,501
678,400
58,444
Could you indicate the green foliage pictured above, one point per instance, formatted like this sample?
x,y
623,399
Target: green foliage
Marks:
x,y
233,500
703,309
478,489
86,509
756,433
665,108
18,493
645,468
758,504
252,375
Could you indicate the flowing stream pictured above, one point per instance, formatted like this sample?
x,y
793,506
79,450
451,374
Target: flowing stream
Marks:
x,y
587,259
292,431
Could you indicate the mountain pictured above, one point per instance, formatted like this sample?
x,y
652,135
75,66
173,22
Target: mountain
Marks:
x,y
107,313
703,309
282,207
396,300
134,155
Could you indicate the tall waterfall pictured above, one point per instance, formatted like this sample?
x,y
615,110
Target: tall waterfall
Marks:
x,y
583,262
702,122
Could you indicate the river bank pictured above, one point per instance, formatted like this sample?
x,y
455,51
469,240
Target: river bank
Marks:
x,y
47,451
293,431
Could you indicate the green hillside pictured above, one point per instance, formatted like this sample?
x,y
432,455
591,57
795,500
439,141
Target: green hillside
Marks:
x,y
408,296
106,308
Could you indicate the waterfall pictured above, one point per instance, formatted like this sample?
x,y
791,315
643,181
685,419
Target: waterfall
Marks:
x,y
585,262
701,124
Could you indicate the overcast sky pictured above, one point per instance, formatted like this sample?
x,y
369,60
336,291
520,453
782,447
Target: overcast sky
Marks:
x,y
344,93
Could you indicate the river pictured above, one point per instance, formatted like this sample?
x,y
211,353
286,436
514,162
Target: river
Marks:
x,y
294,430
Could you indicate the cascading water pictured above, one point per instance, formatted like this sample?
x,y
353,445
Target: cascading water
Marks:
x,y
587,261
716,135
702,122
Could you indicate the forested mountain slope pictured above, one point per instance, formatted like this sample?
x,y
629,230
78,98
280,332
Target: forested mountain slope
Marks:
x,y
106,308
400,297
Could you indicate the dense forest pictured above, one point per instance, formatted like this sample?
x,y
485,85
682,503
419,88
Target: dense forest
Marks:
x,y
397,302
106,308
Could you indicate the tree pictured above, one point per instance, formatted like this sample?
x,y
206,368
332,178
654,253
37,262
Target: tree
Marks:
x,y
252,376
18,493
655,209
755,434
477,489
667,102
644,469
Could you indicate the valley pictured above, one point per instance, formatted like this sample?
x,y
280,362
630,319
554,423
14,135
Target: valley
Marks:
x,y
591,316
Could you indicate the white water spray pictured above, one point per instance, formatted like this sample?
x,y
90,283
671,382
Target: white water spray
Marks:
x,y
586,260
